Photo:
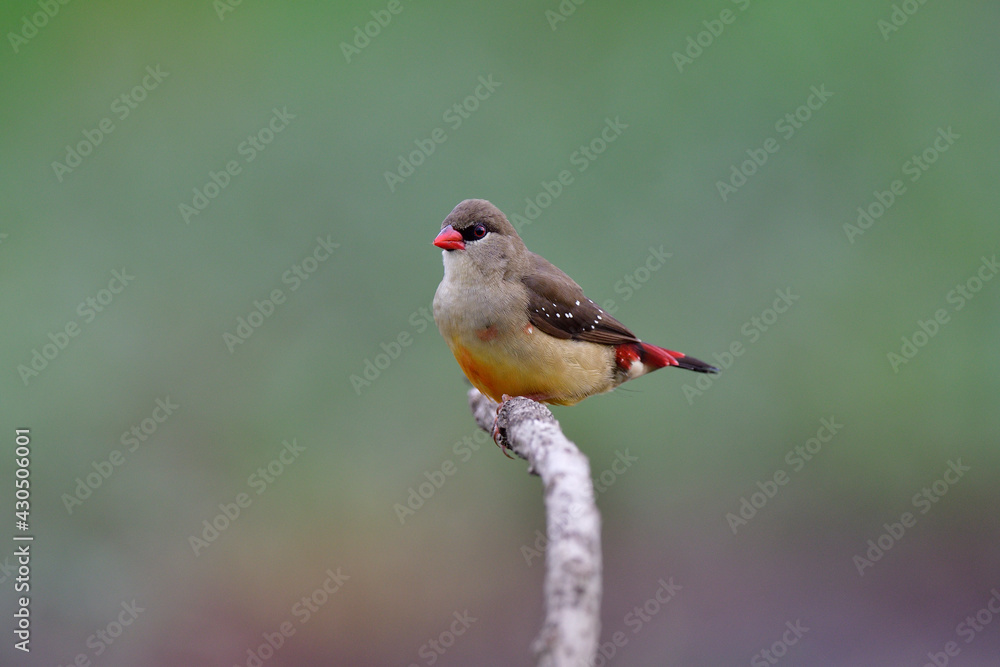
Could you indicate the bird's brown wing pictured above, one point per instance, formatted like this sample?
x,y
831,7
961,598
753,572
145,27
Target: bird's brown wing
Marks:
x,y
558,306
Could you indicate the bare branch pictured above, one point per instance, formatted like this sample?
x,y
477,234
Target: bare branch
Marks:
x,y
572,626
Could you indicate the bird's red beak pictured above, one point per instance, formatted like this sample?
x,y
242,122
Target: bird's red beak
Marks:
x,y
449,239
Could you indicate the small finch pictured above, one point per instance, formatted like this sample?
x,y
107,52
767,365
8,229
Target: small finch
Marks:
x,y
518,326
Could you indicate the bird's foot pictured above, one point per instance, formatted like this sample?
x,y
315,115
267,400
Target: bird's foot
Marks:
x,y
495,431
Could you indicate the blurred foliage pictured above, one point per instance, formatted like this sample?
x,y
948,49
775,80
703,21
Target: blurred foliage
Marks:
x,y
224,84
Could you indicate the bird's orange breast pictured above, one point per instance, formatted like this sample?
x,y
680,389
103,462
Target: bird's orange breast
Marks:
x,y
490,375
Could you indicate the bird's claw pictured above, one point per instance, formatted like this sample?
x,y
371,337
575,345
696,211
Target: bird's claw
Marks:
x,y
495,431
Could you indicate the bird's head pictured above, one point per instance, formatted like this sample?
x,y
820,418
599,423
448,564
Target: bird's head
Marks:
x,y
477,232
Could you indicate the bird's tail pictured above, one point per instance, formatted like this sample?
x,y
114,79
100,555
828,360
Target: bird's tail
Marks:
x,y
658,357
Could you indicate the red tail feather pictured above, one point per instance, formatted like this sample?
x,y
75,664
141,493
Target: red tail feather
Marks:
x,y
659,357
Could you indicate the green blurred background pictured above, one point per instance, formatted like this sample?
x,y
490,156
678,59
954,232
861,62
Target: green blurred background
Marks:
x,y
364,447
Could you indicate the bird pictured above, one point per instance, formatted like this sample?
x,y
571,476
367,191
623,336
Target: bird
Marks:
x,y
519,326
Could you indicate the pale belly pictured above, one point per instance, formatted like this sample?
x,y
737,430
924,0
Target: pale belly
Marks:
x,y
533,364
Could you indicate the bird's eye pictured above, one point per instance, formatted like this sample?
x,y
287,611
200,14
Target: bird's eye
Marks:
x,y
476,232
